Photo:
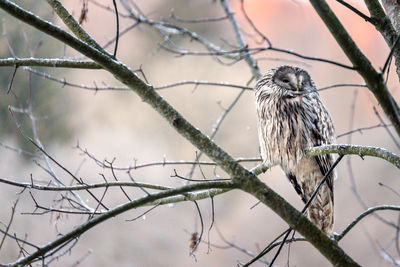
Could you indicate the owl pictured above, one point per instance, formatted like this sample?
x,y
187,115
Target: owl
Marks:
x,y
292,118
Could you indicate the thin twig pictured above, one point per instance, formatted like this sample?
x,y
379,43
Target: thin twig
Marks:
x,y
9,223
363,215
12,79
265,38
360,130
390,55
201,20
386,128
201,228
358,12
117,28
143,214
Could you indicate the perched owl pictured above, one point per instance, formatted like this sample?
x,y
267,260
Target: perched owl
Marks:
x,y
292,118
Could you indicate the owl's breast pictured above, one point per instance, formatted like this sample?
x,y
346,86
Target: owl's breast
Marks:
x,y
283,132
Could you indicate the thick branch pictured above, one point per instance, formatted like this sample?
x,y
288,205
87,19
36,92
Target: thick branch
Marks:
x,y
356,150
49,62
373,79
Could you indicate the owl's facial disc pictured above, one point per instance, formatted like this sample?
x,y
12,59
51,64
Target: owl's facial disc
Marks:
x,y
287,79
293,81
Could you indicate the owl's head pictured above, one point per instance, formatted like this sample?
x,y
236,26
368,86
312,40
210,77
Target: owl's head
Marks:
x,y
286,81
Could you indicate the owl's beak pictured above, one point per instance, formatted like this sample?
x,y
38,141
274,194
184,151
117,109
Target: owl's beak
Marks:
x,y
297,89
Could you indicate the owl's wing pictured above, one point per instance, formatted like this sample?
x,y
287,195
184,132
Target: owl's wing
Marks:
x,y
325,163
322,134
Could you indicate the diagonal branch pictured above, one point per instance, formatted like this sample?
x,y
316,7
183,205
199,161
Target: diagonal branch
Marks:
x,y
363,215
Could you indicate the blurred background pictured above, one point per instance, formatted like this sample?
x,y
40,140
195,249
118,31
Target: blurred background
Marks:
x,y
117,125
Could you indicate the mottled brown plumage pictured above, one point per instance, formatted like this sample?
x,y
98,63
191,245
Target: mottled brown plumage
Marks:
x,y
292,118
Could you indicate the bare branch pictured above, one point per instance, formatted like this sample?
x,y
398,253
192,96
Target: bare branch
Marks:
x,y
49,62
360,130
9,223
196,83
239,38
201,20
341,85
83,186
356,150
358,12
363,215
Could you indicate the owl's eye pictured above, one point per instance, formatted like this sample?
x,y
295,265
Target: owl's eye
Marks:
x,y
285,80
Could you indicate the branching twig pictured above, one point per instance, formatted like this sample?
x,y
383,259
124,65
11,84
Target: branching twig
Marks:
x,y
42,251
363,215
239,38
356,150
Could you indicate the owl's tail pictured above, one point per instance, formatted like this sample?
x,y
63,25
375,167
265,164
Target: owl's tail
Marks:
x,y
320,211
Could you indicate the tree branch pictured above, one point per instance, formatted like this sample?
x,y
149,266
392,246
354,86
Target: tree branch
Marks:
x,y
355,10
356,150
363,215
49,62
83,186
